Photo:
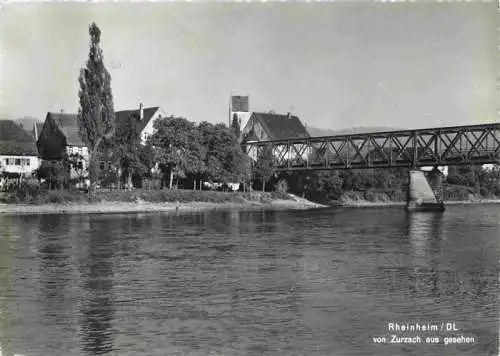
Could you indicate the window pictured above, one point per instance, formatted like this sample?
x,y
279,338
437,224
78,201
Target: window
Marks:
x,y
17,162
79,165
101,165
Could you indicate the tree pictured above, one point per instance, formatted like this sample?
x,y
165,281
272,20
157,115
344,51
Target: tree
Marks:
x,y
490,181
265,166
328,184
245,171
96,115
56,174
176,146
75,162
132,157
235,125
223,155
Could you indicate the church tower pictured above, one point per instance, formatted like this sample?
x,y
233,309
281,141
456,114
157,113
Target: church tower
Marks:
x,y
239,106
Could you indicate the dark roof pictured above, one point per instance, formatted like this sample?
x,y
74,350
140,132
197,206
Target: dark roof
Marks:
x,y
68,124
14,140
122,116
280,127
316,132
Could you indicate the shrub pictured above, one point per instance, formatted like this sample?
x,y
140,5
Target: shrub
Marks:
x,y
281,186
281,195
60,196
375,196
23,193
55,196
348,197
108,178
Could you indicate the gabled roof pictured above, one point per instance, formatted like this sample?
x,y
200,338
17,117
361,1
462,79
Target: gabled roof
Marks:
x,y
122,116
281,127
68,125
15,141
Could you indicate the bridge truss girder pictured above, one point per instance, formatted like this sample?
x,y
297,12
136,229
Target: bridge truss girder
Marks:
x,y
461,145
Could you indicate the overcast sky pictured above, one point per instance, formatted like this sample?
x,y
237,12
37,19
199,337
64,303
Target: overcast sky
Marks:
x,y
335,65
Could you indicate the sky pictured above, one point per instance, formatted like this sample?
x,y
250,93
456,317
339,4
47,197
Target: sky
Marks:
x,y
335,65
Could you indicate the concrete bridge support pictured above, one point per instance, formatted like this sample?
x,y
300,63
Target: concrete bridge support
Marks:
x,y
424,194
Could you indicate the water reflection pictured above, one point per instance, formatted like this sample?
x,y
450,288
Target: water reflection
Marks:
x,y
247,283
7,236
54,260
424,233
97,284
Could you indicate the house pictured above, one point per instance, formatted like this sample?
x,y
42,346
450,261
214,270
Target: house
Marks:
x,y
18,153
60,134
146,117
271,126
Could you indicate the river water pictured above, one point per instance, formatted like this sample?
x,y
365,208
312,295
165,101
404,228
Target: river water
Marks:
x,y
317,282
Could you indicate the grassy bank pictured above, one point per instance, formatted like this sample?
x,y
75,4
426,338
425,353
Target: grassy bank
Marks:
x,y
35,196
63,201
115,201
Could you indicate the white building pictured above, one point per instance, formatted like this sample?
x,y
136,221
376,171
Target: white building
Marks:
x,y
18,153
146,118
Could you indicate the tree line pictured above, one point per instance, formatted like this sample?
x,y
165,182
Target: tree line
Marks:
x,y
183,150
392,183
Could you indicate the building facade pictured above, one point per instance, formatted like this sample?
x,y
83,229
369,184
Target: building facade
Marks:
x,y
59,137
271,126
18,153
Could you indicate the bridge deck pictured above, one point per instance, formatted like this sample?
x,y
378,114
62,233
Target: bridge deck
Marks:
x,y
457,145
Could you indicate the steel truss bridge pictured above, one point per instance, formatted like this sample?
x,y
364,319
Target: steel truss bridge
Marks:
x,y
459,145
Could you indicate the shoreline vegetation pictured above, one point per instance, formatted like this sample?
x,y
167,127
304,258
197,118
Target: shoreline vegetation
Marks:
x,y
158,201
176,201
360,200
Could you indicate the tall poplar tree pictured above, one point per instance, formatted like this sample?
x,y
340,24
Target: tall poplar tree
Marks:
x,y
96,115
236,126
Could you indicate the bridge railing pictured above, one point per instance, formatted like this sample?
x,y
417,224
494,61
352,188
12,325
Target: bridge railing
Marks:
x,y
475,144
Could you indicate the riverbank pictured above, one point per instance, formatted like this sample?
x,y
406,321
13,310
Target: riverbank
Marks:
x,y
359,199
382,204
142,207
256,201
189,201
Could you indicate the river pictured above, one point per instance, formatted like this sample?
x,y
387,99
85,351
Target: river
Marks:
x,y
316,282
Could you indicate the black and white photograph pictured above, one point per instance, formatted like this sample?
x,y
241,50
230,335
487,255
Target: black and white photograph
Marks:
x,y
249,178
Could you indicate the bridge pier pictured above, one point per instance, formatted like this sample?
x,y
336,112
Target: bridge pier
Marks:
x,y
424,194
